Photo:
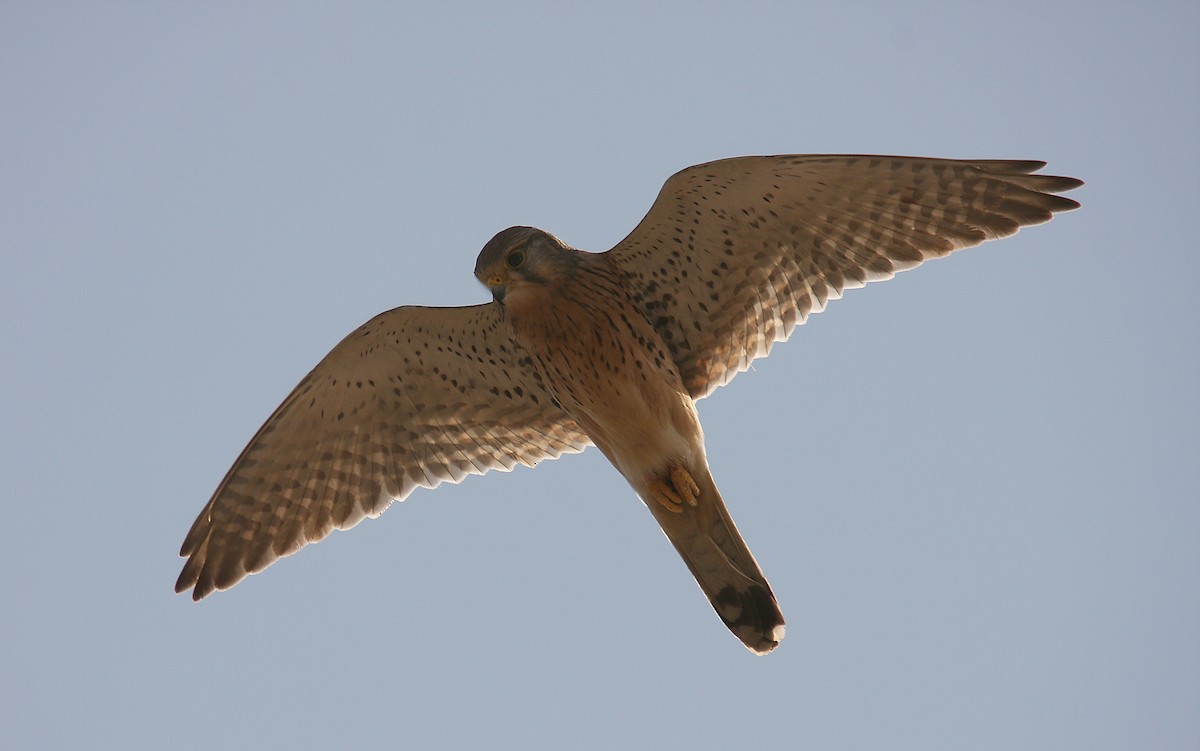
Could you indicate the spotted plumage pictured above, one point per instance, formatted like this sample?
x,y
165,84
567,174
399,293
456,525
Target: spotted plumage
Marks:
x,y
609,349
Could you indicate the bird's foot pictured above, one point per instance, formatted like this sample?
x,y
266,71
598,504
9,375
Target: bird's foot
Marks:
x,y
681,489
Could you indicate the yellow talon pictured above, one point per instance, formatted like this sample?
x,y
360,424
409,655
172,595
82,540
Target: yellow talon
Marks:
x,y
682,489
685,485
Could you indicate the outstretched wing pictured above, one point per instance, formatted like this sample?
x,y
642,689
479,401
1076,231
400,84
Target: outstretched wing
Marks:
x,y
734,254
415,397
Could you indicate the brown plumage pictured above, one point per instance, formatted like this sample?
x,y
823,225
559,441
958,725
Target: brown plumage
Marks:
x,y
609,349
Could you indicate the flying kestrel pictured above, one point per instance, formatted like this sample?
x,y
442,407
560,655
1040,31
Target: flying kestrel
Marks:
x,y
610,349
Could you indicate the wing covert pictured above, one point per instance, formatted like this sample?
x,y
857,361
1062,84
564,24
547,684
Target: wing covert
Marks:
x,y
415,397
734,254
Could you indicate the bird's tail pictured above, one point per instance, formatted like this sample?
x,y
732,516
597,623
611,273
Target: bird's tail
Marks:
x,y
724,567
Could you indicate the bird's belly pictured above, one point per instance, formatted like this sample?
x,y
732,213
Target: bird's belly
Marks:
x,y
642,427
624,391
638,422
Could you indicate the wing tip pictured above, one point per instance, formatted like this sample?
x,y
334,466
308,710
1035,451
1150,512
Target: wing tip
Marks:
x,y
189,580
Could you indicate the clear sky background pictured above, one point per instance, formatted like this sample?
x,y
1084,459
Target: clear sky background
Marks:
x,y
975,488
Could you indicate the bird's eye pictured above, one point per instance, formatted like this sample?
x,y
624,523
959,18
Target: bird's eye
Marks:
x,y
514,259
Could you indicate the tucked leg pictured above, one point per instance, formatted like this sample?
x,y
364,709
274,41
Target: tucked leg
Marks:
x,y
680,490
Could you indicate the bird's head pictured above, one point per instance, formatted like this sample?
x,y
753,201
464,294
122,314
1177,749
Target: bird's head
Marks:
x,y
519,260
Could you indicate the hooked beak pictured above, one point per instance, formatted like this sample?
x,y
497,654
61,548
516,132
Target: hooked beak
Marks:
x,y
498,288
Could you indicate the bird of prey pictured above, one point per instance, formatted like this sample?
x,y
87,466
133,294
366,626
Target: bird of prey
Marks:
x,y
608,349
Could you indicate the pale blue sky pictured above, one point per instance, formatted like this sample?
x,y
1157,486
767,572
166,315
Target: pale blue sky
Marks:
x,y
974,488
